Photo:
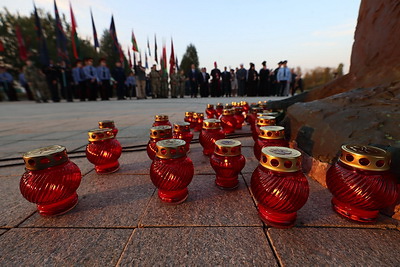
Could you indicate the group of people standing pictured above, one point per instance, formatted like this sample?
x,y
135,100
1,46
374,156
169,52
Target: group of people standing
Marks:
x,y
87,82
242,82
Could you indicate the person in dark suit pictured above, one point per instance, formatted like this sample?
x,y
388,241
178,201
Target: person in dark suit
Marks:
x,y
52,80
252,78
119,76
203,82
226,82
216,81
241,78
193,75
66,83
263,89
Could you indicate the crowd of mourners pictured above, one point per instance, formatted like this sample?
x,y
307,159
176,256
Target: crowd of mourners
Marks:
x,y
88,82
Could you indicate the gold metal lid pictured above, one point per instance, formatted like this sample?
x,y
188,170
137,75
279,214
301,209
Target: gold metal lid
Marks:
x,y
228,106
161,117
220,105
171,148
197,115
212,124
243,103
106,124
265,121
45,157
181,126
162,131
235,104
280,159
238,109
189,113
100,134
365,157
227,111
228,147
270,113
210,106
272,132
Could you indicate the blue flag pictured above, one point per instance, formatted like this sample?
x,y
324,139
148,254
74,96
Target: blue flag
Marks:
x,y
95,40
43,51
60,36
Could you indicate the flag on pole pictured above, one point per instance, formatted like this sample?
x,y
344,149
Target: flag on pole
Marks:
x,y
155,49
43,51
176,63
74,35
113,34
148,46
1,46
95,40
145,59
134,43
134,60
140,57
21,44
164,58
172,58
61,38
129,58
121,55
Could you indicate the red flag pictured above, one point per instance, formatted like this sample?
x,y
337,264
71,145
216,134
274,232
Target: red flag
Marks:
x,y
134,43
164,59
172,58
129,58
1,46
21,44
74,35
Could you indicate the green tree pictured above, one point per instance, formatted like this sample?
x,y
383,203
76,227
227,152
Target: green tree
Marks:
x,y
10,57
339,70
190,57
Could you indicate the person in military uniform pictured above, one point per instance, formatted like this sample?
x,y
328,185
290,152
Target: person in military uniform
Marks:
x,y
35,79
103,73
174,82
182,83
164,84
155,80
91,79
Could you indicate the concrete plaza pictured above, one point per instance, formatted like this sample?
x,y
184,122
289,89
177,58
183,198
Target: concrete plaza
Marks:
x,y
119,219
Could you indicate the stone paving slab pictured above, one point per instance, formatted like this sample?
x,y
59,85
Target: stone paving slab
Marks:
x,y
198,246
62,247
14,209
136,163
20,147
60,135
104,201
2,231
206,205
336,247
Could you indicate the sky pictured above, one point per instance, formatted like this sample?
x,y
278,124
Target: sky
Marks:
x,y
309,33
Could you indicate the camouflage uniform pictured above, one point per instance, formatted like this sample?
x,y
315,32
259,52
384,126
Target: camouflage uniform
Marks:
x,y
164,85
155,82
37,82
174,81
181,84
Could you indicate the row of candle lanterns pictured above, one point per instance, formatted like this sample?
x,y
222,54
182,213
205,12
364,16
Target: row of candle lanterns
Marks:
x,y
360,181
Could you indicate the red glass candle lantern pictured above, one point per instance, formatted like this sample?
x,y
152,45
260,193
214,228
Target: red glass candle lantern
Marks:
x,y
210,111
172,171
110,125
361,182
227,161
198,117
239,117
210,133
218,110
182,131
228,121
279,186
161,119
245,106
157,133
252,117
270,136
50,180
103,151
260,122
189,118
